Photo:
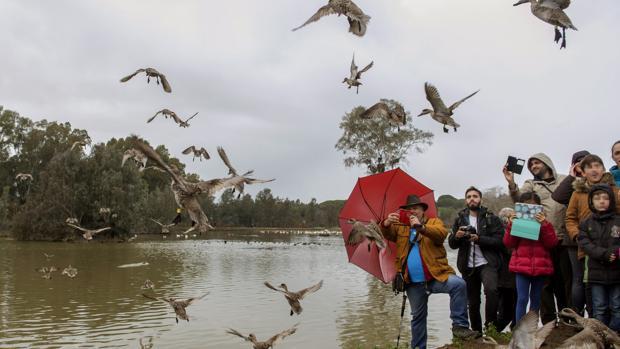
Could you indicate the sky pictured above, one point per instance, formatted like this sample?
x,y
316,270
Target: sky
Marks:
x,y
273,98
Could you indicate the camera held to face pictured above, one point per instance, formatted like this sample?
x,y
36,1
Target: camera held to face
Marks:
x,y
468,231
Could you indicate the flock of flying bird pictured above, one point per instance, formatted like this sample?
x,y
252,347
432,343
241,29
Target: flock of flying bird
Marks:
x,y
186,193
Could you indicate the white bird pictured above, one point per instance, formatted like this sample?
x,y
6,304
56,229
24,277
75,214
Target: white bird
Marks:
x,y
358,20
440,112
88,233
552,12
151,73
356,75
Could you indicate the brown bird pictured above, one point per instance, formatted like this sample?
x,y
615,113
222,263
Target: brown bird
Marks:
x,y
293,298
148,284
135,155
396,116
47,272
178,305
552,12
169,113
198,153
151,73
236,180
23,177
88,233
358,20
370,231
270,343
595,331
165,228
440,112
356,75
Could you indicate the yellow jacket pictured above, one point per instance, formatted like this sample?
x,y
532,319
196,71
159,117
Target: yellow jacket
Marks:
x,y
431,247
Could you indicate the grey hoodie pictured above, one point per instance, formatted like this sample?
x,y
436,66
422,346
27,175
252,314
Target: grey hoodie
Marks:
x,y
555,211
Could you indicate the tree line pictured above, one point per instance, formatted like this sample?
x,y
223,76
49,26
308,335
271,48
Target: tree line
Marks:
x,y
87,183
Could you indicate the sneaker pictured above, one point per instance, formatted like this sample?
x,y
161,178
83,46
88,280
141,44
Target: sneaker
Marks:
x,y
461,332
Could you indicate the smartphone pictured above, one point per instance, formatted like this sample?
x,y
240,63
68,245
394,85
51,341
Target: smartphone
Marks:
x,y
404,217
515,165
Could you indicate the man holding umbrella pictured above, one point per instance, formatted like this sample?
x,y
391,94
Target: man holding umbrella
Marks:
x,y
422,263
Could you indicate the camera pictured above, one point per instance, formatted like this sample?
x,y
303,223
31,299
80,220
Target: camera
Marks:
x,y
515,165
468,231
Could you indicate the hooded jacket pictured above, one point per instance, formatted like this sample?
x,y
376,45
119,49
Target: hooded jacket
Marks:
x,y
616,172
490,231
599,237
579,208
553,210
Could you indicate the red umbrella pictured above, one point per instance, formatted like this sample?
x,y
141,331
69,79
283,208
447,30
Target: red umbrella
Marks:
x,y
373,198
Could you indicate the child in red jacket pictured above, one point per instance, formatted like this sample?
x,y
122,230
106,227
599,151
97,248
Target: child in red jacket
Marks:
x,y
531,260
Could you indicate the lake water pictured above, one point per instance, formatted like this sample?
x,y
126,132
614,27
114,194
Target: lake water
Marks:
x,y
103,308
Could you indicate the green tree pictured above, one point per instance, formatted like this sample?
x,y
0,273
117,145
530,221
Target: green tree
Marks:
x,y
377,144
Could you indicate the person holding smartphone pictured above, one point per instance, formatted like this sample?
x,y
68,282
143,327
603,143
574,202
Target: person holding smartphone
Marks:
x,y
422,261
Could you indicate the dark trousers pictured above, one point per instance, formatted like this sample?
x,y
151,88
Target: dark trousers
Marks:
x,y
485,276
506,308
558,287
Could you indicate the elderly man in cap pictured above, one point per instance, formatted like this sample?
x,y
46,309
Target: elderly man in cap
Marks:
x,y
422,263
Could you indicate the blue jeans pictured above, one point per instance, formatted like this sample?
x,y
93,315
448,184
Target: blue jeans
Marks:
x,y
606,304
418,300
528,288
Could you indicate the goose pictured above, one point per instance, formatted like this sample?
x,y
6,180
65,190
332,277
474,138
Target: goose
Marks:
x,y
178,305
293,298
235,180
356,74
148,284
270,343
88,233
198,153
370,231
165,228
440,112
137,156
169,113
24,177
552,12
358,20
595,330
151,73
396,116
46,272
70,271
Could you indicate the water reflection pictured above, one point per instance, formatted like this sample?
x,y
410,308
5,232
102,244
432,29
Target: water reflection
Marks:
x,y
103,307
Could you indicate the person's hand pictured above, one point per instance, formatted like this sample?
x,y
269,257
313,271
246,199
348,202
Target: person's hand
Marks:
x,y
474,238
414,221
540,217
575,170
392,218
612,257
510,177
459,234
512,216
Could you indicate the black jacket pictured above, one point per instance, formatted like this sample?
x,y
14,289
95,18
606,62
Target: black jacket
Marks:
x,y
490,231
563,192
599,237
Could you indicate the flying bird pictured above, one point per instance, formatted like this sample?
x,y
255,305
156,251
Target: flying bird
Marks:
x,y
165,228
48,256
70,271
198,153
552,12
270,343
396,116
169,113
151,73
293,298
440,112
178,305
135,155
46,272
88,233
356,75
23,177
236,180
358,20
370,231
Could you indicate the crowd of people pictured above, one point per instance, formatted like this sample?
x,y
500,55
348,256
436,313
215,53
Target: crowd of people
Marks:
x,y
573,263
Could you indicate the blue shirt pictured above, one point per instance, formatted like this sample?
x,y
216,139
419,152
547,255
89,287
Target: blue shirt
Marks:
x,y
414,260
